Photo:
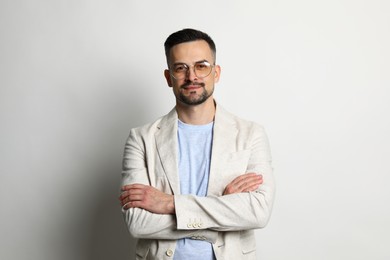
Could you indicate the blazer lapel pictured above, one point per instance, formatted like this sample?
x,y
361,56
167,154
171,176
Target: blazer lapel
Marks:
x,y
166,142
224,136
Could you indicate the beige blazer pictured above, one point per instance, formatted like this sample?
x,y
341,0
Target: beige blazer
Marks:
x,y
239,146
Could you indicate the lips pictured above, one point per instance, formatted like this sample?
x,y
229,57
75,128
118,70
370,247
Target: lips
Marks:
x,y
192,86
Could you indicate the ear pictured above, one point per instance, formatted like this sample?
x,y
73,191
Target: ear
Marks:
x,y
168,77
217,73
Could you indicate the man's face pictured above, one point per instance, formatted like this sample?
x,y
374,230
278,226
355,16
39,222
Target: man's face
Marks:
x,y
191,89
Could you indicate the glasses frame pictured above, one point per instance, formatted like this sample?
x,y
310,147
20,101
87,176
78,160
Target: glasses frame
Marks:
x,y
193,66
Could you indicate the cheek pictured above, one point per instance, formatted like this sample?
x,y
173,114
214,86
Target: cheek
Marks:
x,y
175,88
176,84
210,83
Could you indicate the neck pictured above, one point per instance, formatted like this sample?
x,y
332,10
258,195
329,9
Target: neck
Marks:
x,y
196,115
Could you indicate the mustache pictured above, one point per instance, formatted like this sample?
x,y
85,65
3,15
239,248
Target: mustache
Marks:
x,y
185,85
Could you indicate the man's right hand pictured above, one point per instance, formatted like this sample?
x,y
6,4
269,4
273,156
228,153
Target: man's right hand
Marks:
x,y
148,198
244,183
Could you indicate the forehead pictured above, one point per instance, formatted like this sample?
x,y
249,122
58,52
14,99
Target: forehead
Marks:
x,y
189,52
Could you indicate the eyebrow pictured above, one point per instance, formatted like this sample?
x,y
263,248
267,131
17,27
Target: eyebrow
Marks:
x,y
181,63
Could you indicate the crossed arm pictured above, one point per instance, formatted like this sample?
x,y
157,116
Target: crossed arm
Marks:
x,y
155,201
246,202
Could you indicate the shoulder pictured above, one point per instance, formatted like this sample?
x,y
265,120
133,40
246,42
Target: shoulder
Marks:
x,y
153,127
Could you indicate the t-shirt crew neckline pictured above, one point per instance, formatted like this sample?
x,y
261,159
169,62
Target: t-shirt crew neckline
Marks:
x,y
190,127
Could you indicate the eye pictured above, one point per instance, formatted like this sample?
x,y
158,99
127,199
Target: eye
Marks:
x,y
202,66
180,68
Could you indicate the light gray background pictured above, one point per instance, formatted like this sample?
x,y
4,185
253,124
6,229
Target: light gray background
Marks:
x,y
75,76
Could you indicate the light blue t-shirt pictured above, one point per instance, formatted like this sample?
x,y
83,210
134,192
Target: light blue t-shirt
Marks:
x,y
194,168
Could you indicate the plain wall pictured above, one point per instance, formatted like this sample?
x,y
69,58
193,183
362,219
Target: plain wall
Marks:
x,y
75,76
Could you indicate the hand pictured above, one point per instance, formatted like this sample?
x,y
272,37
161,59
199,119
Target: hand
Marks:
x,y
244,183
148,198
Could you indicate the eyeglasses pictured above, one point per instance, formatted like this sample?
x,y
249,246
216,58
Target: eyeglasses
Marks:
x,y
201,69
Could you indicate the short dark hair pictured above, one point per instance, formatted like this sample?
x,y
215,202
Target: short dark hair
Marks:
x,y
188,35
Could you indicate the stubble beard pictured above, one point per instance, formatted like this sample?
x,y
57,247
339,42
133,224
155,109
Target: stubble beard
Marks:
x,y
195,100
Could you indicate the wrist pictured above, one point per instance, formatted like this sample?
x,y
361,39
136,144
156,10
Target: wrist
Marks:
x,y
171,205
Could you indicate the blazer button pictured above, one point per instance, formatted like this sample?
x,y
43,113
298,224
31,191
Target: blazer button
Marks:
x,y
169,252
189,225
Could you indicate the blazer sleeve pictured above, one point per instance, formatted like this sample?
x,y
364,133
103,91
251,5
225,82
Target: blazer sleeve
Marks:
x,y
234,212
142,223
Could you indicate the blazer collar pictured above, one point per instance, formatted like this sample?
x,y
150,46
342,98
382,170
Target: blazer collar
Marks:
x,y
167,145
224,136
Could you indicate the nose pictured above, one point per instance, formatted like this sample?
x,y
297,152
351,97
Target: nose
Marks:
x,y
191,76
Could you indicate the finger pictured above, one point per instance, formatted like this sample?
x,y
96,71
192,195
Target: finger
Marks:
x,y
124,201
252,188
229,189
132,197
235,186
126,187
132,186
256,184
123,195
138,186
243,182
132,191
254,177
136,197
249,182
126,205
133,204
243,177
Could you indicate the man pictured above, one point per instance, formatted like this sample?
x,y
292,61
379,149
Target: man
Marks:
x,y
196,182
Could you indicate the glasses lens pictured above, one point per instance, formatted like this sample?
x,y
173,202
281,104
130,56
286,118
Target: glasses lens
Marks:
x,y
201,69
179,71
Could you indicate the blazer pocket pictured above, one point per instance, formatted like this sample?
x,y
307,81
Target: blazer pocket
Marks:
x,y
248,241
229,166
237,162
239,156
142,249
